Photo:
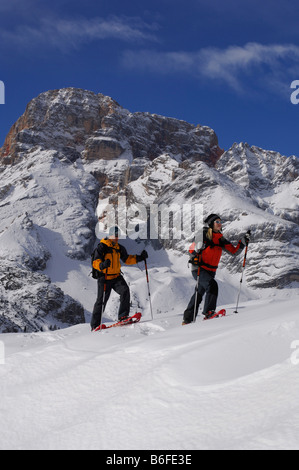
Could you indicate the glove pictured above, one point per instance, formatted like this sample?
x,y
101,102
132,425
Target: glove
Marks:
x,y
246,239
195,261
142,257
105,264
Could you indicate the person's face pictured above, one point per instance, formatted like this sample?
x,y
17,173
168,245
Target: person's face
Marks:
x,y
217,225
114,238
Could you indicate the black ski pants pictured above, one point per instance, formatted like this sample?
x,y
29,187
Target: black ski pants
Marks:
x,y
207,285
120,286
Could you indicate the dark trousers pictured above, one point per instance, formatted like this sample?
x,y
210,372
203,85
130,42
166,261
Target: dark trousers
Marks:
x,y
120,286
207,285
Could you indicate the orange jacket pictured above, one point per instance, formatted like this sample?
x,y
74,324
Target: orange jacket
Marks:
x,y
114,252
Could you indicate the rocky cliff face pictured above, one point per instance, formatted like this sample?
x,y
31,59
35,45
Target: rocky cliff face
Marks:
x,y
80,123
73,152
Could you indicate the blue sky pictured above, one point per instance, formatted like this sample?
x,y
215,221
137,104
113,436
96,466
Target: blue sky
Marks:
x,y
225,64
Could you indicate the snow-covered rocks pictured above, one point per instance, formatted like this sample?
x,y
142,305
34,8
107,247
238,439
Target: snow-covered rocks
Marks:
x,y
21,241
30,302
46,204
58,196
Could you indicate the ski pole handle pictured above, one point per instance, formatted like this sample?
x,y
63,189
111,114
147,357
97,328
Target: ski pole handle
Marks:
x,y
246,249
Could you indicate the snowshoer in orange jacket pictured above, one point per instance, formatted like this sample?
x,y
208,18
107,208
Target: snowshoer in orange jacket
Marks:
x,y
107,270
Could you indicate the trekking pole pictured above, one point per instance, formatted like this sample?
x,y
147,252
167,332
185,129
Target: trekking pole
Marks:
x,y
104,298
243,268
148,288
196,295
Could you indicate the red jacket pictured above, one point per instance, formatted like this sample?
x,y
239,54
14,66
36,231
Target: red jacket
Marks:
x,y
212,250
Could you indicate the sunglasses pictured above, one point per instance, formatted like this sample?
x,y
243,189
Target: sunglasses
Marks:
x,y
218,222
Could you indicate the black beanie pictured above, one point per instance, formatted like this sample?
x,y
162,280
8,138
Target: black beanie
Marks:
x,y
211,219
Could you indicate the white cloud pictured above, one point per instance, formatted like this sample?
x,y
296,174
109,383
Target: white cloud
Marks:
x,y
230,65
68,34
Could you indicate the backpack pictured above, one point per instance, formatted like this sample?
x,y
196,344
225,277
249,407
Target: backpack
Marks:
x,y
95,274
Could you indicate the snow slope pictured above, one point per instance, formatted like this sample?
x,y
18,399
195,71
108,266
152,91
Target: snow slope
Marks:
x,y
229,383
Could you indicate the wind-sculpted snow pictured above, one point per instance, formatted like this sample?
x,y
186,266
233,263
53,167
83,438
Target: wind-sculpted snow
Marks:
x,y
229,383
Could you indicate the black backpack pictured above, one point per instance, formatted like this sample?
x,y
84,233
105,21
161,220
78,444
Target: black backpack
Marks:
x,y
96,254
95,274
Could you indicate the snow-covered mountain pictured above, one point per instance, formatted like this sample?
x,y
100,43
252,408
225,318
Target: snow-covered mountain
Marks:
x,y
73,152
79,123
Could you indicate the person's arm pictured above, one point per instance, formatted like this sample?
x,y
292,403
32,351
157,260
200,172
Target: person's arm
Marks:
x,y
229,247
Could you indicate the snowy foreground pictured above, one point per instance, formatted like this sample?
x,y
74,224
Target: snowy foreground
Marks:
x,y
228,383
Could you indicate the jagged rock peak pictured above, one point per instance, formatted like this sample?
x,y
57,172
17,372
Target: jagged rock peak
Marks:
x,y
83,124
256,168
57,119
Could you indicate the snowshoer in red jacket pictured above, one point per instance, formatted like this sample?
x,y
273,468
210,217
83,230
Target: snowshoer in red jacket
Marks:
x,y
206,261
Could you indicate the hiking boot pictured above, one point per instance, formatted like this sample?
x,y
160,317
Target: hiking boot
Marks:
x,y
210,314
123,317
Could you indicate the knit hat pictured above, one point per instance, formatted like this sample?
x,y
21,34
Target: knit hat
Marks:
x,y
211,219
